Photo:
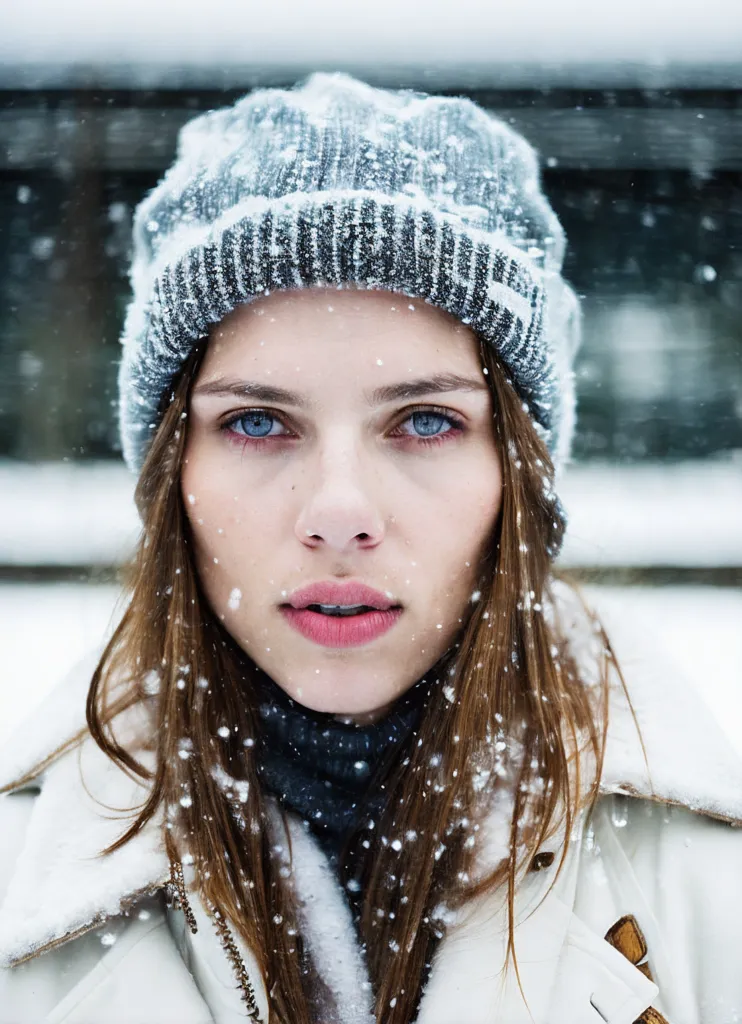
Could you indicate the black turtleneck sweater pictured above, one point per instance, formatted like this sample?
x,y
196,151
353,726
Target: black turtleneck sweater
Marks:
x,y
327,771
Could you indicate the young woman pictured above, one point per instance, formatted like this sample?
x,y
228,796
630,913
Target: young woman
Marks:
x,y
352,753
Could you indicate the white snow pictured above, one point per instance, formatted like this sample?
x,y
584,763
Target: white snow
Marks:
x,y
66,513
683,514
421,33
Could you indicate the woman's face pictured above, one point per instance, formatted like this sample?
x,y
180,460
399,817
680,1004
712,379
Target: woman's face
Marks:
x,y
307,462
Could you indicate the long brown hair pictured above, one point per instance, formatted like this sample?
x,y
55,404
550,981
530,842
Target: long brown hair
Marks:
x,y
510,673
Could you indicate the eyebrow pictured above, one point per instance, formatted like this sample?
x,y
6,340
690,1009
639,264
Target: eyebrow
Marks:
x,y
439,383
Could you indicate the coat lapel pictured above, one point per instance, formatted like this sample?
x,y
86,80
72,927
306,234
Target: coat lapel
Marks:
x,y
61,885
328,929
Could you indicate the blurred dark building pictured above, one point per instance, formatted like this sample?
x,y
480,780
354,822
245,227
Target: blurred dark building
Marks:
x,y
646,182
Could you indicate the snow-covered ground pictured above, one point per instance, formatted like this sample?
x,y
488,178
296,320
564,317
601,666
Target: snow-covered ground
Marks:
x,y
658,514
654,514
44,629
66,513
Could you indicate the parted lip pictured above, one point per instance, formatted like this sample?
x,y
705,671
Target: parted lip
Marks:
x,y
332,592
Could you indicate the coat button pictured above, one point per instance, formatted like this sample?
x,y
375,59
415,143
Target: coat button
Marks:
x,y
543,859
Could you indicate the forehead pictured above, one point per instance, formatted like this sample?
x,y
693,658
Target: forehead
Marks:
x,y
343,331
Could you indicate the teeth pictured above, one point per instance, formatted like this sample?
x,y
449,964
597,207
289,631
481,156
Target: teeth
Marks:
x,y
339,609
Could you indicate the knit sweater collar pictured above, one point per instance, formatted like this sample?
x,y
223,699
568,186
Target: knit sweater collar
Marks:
x,y
328,770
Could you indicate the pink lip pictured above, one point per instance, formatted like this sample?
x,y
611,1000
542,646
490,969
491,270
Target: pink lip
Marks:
x,y
332,592
341,632
349,631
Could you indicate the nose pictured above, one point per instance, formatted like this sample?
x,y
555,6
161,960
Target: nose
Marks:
x,y
341,511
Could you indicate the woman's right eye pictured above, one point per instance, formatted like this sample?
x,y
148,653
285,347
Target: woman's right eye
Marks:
x,y
254,424
252,427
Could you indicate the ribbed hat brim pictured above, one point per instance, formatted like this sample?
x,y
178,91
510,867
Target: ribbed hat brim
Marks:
x,y
401,244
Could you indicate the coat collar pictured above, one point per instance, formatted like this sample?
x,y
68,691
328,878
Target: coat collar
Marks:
x,y
689,760
60,885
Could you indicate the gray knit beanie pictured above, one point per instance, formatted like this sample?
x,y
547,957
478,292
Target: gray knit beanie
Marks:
x,y
335,182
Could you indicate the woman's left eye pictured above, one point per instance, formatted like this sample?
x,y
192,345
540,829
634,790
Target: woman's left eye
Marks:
x,y
428,421
255,426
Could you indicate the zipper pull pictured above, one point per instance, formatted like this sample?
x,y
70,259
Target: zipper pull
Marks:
x,y
177,896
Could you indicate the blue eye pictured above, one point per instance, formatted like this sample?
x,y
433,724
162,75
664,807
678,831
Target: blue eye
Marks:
x,y
254,426
431,421
257,421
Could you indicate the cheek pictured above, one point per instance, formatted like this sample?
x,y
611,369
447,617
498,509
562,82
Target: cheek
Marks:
x,y
473,510
213,517
464,542
234,542
211,499
455,543
230,537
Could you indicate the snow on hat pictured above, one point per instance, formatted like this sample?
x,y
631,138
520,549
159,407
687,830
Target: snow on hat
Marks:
x,y
336,182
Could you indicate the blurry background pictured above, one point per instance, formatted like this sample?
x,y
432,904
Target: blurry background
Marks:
x,y
636,111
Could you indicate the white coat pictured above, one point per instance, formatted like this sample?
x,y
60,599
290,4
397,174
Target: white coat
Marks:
x,y
88,940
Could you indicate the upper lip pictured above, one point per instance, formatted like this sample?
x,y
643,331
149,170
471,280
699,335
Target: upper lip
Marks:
x,y
331,592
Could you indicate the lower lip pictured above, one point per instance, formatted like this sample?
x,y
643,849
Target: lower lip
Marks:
x,y
341,631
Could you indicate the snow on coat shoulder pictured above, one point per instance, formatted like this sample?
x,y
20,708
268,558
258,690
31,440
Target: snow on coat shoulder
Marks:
x,y
663,741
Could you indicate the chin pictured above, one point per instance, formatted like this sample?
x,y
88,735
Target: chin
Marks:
x,y
355,704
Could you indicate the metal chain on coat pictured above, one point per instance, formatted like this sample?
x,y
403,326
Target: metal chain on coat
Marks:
x,y
179,900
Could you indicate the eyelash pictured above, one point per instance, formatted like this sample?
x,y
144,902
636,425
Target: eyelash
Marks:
x,y
258,443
